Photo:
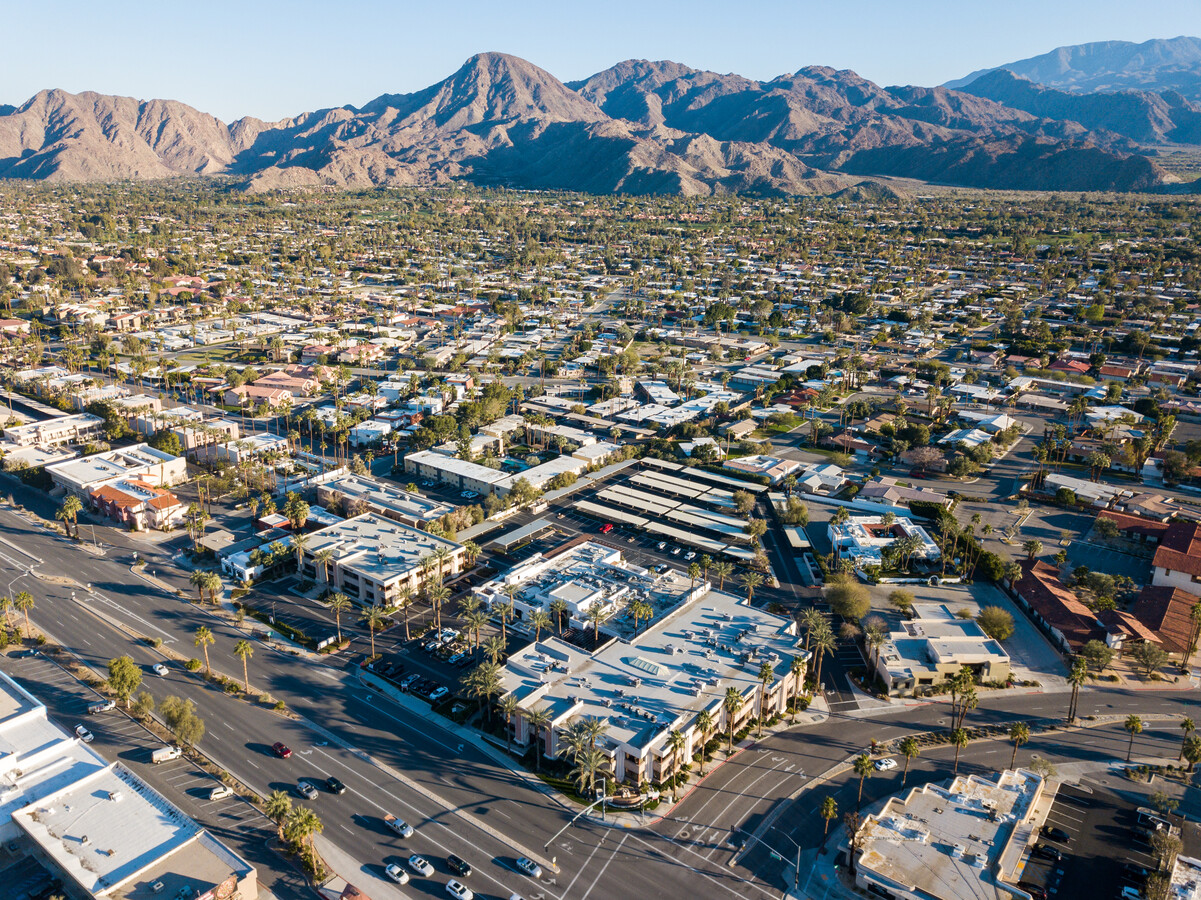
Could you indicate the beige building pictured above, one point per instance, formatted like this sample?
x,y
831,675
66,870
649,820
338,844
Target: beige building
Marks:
x,y
929,649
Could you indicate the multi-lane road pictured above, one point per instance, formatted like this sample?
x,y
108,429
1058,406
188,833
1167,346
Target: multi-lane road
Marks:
x,y
458,797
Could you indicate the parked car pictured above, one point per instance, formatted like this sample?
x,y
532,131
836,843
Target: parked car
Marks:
x,y
101,706
458,865
661,546
283,751
160,669
459,891
1046,851
457,658
883,765
1038,892
438,693
220,792
1135,873
690,555
606,528
530,867
306,790
421,865
335,786
84,735
409,680
396,873
468,659
1055,834
675,551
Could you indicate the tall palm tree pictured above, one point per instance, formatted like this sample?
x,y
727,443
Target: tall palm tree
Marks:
x,y
1134,725
558,609
375,621
694,572
6,603
721,569
1188,727
321,561
338,604
474,621
212,584
597,613
810,619
204,639
828,811
909,748
243,650
750,581
539,619
1019,733
403,602
676,741
505,610
863,767
301,825
1076,678
300,543
588,763
198,580
437,594
507,705
960,740
704,722
731,704
495,648
767,674
594,730
824,642
797,669
538,719
277,808
69,513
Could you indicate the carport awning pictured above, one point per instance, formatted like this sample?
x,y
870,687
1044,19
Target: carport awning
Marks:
x,y
608,512
523,534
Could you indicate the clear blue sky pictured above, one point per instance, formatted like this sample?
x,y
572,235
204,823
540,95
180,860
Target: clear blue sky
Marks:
x,y
275,59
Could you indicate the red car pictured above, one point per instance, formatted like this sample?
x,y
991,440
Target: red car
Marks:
x,y
917,473
606,528
281,750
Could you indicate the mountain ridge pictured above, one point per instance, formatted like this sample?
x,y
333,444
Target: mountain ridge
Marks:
x,y
637,127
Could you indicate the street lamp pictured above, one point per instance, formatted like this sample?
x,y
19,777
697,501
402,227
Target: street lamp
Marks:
x,y
796,880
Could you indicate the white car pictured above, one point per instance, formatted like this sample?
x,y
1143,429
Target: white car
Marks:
x,y
438,693
83,734
530,867
675,551
459,891
306,790
690,555
661,546
160,669
396,873
421,865
101,706
220,792
883,765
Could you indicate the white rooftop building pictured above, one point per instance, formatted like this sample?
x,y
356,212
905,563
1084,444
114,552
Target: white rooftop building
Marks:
x,y
140,462
863,539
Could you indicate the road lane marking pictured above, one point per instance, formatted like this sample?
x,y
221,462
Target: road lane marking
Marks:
x,y
601,873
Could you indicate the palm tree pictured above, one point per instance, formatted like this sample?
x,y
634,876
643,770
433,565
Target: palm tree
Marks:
x,y
505,610
597,613
321,561
828,811
69,513
471,552
538,719
721,570
204,639
299,543
539,619
375,621
797,669
302,823
1192,753
1076,677
640,610
437,595
23,603
403,602
244,650
277,808
1134,725
508,706
909,748
960,740
558,609
750,581
6,603
676,741
863,767
474,621
705,722
1188,727
338,604
495,648
212,584
588,763
198,580
1019,733
694,572
767,675
731,704
824,642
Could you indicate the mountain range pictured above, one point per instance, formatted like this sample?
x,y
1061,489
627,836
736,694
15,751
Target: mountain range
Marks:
x,y
639,128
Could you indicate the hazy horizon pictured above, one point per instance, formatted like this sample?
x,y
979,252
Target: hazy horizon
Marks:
x,y
272,60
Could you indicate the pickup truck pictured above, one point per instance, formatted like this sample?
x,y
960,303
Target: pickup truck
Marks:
x,y
398,825
165,754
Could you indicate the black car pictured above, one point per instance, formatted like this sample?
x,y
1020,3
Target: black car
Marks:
x,y
335,786
1037,891
1135,874
458,866
1046,851
1056,834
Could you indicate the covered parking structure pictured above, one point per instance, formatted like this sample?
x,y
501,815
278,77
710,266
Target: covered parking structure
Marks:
x,y
665,531
507,542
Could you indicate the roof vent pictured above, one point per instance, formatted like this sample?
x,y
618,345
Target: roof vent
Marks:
x,y
115,796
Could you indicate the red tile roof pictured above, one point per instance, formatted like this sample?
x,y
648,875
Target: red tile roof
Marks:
x,y
1136,524
1041,588
1180,548
1167,612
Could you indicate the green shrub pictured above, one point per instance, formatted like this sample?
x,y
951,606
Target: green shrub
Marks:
x,y
193,665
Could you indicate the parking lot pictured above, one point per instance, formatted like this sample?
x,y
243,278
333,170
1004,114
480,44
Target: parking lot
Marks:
x,y
116,736
1104,850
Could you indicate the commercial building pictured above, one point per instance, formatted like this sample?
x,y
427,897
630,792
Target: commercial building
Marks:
x,y
456,472
54,432
935,645
362,493
252,446
659,681
863,539
95,826
138,504
960,842
189,426
374,558
140,462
